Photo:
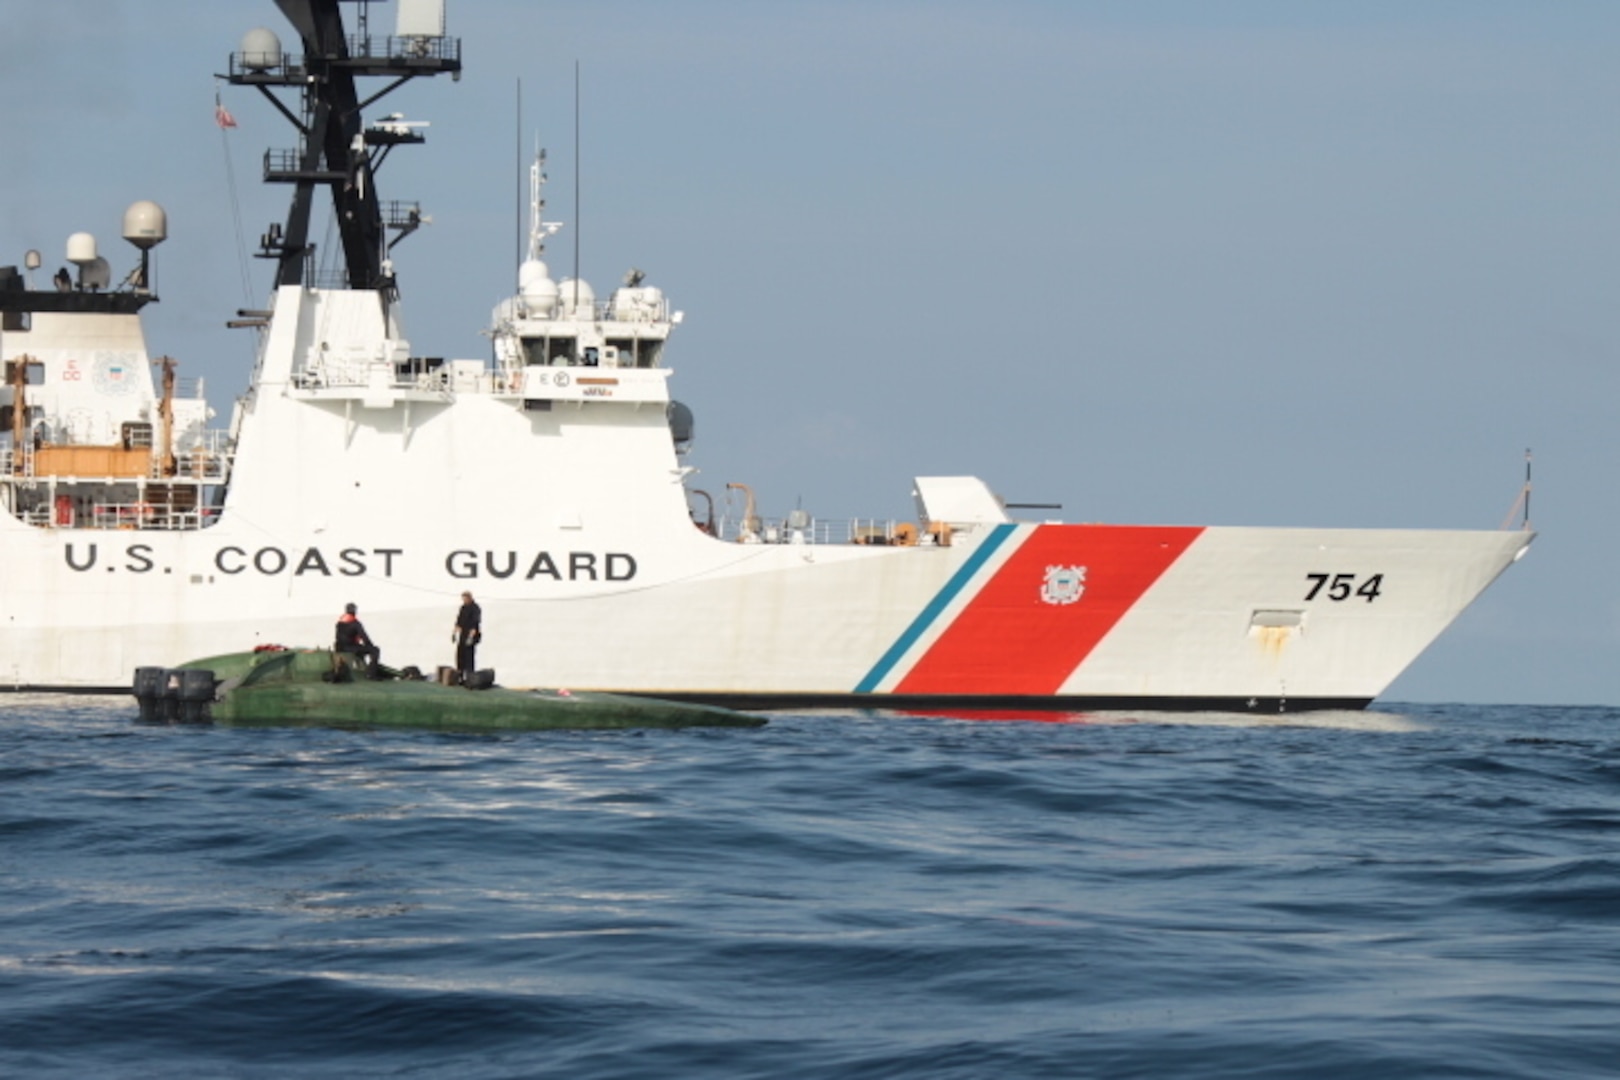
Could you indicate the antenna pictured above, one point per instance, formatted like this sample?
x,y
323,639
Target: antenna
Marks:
x,y
577,220
1523,501
1527,488
539,227
517,202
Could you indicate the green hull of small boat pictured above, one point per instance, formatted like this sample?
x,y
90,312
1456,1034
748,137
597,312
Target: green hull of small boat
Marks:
x,y
297,687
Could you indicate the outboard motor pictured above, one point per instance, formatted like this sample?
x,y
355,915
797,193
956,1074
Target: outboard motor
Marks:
x,y
149,684
187,693
171,695
196,694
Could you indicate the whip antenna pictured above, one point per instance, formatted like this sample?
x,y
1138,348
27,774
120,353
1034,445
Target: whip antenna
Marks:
x,y
575,187
1527,488
517,204
1523,501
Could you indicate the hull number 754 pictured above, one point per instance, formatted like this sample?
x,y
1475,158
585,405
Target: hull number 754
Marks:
x,y
1344,586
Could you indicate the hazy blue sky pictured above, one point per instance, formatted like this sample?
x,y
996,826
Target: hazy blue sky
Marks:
x,y
1193,262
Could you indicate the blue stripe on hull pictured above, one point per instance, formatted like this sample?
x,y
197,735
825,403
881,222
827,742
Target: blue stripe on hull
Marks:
x,y
926,618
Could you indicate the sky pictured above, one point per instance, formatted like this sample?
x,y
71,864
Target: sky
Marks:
x,y
1159,261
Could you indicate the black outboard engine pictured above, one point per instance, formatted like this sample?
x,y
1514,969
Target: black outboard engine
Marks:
x,y
149,686
187,693
196,695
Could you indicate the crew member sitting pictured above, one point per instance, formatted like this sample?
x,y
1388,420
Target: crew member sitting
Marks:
x,y
352,638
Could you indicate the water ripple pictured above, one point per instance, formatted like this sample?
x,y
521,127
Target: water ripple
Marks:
x,y
1433,891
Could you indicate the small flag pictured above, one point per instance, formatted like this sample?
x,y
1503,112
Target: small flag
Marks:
x,y
222,116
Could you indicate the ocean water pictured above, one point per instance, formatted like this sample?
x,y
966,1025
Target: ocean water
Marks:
x,y
1411,891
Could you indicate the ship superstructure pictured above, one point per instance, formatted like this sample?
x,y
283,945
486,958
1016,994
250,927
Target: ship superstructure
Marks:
x,y
553,479
87,437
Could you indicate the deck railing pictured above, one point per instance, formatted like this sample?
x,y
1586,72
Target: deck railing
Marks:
x,y
877,532
207,460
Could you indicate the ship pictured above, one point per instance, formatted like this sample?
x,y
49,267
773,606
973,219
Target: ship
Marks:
x,y
555,477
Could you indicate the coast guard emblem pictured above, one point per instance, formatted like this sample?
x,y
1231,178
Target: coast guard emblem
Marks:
x,y
113,373
1063,584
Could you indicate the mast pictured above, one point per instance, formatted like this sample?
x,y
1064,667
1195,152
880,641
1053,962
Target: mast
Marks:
x,y
335,151
539,227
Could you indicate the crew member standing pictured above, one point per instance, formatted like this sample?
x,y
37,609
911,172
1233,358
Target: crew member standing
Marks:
x,y
352,638
467,634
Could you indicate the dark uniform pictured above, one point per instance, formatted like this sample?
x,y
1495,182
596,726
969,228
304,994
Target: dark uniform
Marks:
x,y
352,638
467,634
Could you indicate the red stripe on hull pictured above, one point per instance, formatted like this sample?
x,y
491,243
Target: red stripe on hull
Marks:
x,y
1009,640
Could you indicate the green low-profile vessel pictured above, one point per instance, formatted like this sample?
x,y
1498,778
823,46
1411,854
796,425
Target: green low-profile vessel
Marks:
x,y
307,687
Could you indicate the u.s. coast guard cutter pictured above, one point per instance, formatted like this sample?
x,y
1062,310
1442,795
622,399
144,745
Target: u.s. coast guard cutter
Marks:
x,y
133,534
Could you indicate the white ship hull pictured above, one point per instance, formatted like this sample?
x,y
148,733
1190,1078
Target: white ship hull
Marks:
x,y
771,624
551,482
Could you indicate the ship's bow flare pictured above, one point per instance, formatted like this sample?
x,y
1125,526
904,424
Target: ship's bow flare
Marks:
x,y
1183,617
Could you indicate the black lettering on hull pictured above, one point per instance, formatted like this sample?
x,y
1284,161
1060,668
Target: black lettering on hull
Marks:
x,y
271,561
73,563
462,564
468,565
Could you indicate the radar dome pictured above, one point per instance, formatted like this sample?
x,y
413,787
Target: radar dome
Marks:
x,y
539,291
578,300
261,49
531,272
145,224
81,249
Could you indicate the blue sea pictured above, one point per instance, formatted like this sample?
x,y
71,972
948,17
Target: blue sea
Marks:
x,y
1425,891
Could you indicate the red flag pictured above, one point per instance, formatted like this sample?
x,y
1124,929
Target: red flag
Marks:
x,y
223,117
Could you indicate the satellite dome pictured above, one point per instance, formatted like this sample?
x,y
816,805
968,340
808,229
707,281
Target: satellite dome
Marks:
x,y
145,224
540,294
81,249
261,49
531,273
578,300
